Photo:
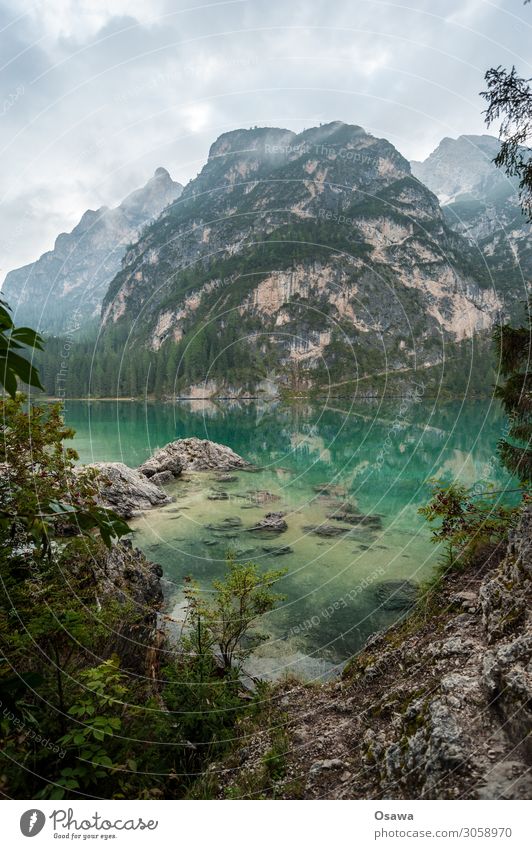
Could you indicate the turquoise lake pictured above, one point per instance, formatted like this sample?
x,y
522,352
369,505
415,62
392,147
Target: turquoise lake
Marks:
x,y
312,459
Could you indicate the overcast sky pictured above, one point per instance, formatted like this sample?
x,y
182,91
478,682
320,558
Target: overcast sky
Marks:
x,y
95,94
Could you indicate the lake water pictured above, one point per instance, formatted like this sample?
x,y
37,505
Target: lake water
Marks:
x,y
313,460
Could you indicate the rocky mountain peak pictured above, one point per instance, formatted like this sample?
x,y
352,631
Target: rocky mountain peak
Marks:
x,y
298,242
255,140
71,280
459,166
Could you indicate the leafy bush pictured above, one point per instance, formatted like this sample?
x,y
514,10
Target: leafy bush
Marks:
x,y
468,522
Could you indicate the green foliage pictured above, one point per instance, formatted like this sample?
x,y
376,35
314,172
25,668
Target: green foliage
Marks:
x,y
97,718
42,494
469,522
509,99
73,721
15,342
221,624
514,346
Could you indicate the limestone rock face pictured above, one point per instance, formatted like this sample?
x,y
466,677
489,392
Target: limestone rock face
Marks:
x,y
392,265
64,289
129,576
126,491
481,203
194,455
126,575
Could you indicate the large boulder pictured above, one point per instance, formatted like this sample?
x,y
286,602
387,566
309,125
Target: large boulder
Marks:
x,y
124,574
194,455
126,491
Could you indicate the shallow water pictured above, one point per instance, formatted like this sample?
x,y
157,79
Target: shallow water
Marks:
x,y
377,458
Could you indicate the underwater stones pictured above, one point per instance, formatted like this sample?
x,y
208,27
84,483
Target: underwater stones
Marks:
x,y
277,552
332,489
342,508
261,496
218,495
225,478
244,552
225,524
396,595
347,511
327,530
272,523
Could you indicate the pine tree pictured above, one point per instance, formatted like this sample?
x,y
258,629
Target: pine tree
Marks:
x,y
514,346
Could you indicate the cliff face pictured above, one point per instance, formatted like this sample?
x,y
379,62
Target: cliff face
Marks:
x,y
460,166
317,252
124,575
64,289
482,204
436,708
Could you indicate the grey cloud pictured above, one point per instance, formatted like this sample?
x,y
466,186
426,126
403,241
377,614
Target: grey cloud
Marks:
x,y
112,90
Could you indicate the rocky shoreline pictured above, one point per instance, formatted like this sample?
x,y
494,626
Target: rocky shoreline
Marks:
x,y
437,707
130,492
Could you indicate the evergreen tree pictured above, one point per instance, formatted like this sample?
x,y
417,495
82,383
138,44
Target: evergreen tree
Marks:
x,y
514,346
509,99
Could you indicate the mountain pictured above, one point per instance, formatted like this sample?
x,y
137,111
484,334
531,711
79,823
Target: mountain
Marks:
x,y
308,259
481,203
460,166
65,287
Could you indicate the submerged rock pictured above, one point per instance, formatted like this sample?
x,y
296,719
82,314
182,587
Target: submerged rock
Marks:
x,y
277,552
347,512
437,708
272,522
193,454
218,495
126,491
226,524
261,496
396,595
342,508
327,530
333,489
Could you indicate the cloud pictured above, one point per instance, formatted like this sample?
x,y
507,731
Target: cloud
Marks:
x,y
98,94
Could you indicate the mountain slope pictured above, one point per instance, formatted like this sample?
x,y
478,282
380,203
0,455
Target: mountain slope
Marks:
x,y
482,204
460,166
306,257
65,287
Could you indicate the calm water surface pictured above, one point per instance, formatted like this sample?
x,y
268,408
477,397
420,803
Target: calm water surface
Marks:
x,y
378,457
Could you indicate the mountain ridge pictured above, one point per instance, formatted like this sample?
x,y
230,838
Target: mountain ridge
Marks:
x,y
324,238
65,286
482,204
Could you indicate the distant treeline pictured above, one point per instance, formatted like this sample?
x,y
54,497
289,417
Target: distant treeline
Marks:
x,y
110,366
